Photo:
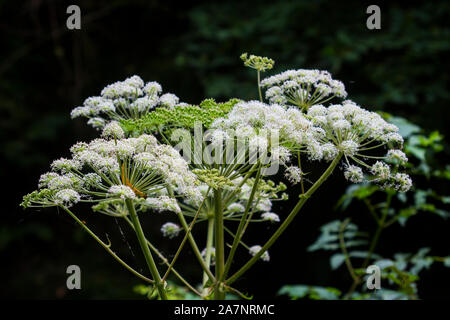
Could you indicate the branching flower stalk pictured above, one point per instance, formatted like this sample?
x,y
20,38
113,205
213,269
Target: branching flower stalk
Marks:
x,y
286,222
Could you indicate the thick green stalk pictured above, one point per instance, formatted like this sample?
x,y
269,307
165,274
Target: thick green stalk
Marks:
x,y
219,294
209,244
286,222
145,250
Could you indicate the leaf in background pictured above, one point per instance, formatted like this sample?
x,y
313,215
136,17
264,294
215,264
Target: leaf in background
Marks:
x,y
359,191
447,261
294,291
329,237
313,292
405,127
337,260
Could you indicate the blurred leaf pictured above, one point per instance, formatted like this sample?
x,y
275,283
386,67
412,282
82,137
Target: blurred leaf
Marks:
x,y
405,127
313,292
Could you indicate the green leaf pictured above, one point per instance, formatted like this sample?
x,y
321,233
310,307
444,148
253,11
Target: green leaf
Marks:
x,y
447,261
313,292
445,199
337,260
363,254
294,291
405,127
419,153
383,264
442,213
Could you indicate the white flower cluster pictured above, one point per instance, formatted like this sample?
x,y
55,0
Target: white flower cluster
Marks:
x,y
322,133
255,249
163,203
128,99
122,191
293,174
67,197
270,216
360,135
354,174
213,255
303,88
262,201
134,168
261,125
241,190
170,230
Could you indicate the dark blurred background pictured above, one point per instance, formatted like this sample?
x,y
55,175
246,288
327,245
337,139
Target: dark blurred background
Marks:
x,y
192,48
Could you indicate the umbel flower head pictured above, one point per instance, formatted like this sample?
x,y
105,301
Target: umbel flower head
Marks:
x,y
303,88
324,133
128,99
237,194
107,172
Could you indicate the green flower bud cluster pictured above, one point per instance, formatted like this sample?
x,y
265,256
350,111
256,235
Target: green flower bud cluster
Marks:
x,y
213,178
257,62
180,116
39,198
269,189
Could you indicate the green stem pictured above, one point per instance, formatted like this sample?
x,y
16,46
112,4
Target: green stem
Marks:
x,y
185,238
381,226
238,188
371,210
145,250
219,294
191,238
106,246
239,232
259,86
344,249
209,244
285,224
194,247
373,244
165,261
